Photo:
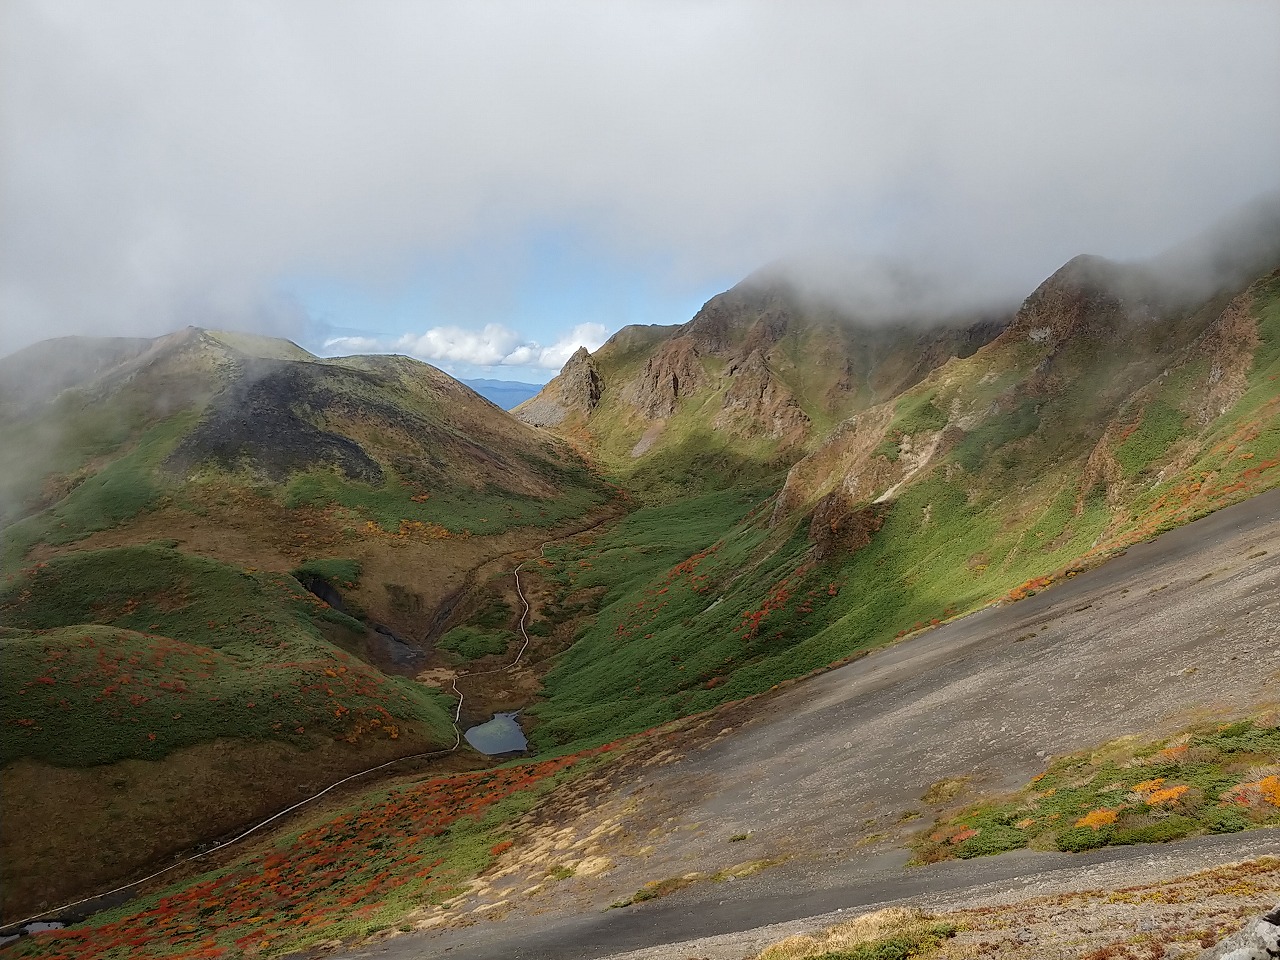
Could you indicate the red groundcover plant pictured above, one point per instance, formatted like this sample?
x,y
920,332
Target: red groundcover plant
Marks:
x,y
341,870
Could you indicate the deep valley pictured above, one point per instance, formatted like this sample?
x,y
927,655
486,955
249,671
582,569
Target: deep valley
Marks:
x,y
798,610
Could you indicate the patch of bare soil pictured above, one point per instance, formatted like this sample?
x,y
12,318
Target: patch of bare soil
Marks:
x,y
648,438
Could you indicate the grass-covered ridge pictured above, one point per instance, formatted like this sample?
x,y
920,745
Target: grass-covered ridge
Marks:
x,y
138,651
1215,779
102,500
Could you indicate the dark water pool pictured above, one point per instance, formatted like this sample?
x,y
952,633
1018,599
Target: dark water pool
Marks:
x,y
502,734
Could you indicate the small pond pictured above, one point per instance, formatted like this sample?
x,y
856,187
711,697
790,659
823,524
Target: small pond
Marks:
x,y
502,734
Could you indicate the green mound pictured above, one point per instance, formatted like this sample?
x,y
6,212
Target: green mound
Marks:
x,y
138,651
474,642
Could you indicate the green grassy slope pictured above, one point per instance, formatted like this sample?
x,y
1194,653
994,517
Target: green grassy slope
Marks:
x,y
138,651
1114,449
1212,779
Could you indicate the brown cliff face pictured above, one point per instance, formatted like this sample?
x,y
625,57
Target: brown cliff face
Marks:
x,y
1229,344
845,467
1087,295
761,362
755,401
576,389
674,371
840,526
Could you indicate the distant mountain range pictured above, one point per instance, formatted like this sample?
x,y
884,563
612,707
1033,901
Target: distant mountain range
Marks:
x,y
505,393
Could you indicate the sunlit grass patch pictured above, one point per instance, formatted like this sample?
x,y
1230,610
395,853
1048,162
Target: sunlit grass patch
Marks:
x,y
396,508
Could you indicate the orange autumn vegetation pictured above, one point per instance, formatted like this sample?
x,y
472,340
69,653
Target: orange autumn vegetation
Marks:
x,y
346,868
1167,795
1096,819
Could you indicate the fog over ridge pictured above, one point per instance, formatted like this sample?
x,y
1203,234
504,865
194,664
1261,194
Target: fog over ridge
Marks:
x,y
176,162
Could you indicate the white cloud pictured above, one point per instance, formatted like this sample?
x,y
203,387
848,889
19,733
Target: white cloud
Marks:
x,y
493,346
589,335
485,348
353,344
168,159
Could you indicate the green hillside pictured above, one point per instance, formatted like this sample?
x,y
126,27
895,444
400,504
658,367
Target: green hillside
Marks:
x,y
802,487
991,478
155,497
139,651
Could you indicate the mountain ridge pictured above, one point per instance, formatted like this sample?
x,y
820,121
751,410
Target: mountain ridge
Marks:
x,y
798,491
758,364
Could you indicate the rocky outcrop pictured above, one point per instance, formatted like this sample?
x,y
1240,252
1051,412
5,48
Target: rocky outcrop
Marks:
x,y
846,464
576,389
838,526
1087,295
756,402
764,361
1229,344
674,371
1259,940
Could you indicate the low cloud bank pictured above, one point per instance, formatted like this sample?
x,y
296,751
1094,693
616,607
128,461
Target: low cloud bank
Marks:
x,y
492,346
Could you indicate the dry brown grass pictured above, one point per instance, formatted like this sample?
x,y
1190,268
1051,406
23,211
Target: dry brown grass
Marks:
x,y
894,921
70,831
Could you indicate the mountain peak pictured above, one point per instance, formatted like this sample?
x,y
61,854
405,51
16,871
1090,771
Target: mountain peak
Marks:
x,y
575,390
1088,295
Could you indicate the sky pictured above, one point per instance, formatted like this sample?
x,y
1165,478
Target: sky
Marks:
x,y
487,186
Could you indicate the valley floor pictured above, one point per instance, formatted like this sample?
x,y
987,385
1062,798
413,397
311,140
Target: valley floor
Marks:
x,y
801,801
